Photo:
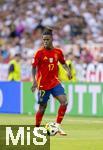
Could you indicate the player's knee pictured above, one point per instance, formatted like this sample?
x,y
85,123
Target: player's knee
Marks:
x,y
64,102
42,108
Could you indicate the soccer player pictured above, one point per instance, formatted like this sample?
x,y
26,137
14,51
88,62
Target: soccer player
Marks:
x,y
14,71
45,78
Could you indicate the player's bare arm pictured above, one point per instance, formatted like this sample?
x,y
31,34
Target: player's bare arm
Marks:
x,y
34,86
67,68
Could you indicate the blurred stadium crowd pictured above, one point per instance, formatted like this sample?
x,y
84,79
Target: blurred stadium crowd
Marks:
x,y
77,24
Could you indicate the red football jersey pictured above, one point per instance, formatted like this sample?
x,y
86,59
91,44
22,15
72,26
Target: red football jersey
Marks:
x,y
46,62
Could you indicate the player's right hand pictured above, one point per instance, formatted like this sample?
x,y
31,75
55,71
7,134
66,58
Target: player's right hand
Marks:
x,y
69,76
34,86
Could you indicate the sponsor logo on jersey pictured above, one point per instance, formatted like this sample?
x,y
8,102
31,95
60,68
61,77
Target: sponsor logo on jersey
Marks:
x,y
45,58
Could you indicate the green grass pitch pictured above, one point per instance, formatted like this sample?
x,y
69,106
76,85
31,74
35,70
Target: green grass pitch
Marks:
x,y
83,133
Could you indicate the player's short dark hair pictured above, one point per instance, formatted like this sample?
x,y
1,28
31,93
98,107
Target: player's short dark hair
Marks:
x,y
47,31
18,54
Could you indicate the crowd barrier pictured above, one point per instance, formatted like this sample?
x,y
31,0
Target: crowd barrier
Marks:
x,y
84,72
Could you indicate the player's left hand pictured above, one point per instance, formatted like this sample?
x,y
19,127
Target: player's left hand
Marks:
x,y
34,86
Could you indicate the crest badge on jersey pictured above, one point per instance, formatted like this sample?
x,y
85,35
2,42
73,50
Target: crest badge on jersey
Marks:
x,y
51,60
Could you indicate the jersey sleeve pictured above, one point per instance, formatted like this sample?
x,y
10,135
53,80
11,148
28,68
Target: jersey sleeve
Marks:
x,y
61,58
11,68
35,59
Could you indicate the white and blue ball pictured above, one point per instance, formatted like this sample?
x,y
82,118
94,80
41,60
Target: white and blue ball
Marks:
x,y
52,129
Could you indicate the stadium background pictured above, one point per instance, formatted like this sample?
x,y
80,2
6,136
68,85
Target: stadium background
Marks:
x,y
78,30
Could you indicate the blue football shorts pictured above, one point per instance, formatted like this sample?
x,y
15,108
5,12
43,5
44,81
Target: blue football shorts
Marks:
x,y
43,95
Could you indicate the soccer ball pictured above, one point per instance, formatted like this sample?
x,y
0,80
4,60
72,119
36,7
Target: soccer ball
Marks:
x,y
51,128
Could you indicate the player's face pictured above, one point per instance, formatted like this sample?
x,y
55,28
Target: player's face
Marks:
x,y
18,58
47,41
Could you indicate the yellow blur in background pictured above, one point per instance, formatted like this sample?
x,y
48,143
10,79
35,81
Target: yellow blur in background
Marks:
x,y
62,74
